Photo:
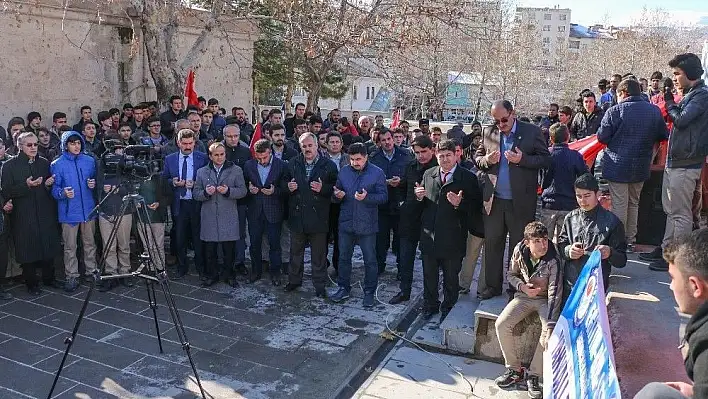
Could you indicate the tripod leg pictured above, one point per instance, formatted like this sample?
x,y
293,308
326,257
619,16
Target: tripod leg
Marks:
x,y
153,305
69,341
179,327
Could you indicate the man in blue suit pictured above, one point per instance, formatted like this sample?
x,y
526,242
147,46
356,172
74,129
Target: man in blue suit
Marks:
x,y
181,171
264,177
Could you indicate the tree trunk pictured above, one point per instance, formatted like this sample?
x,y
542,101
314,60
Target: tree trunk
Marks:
x,y
290,89
313,97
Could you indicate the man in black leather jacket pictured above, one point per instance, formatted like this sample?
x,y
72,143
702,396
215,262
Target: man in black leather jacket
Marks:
x,y
688,147
588,228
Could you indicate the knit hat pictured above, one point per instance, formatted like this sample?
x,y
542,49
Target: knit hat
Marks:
x,y
32,115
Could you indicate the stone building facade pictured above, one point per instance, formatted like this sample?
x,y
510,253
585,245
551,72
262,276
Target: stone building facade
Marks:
x,y
57,58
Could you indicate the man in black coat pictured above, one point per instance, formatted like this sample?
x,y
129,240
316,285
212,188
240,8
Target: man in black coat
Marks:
x,y
26,181
452,204
310,181
238,153
411,211
688,266
509,157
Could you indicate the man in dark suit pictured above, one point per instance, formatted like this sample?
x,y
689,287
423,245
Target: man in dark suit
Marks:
x,y
509,157
310,184
181,171
266,206
452,204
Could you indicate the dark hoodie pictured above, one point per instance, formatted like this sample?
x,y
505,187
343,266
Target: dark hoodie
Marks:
x,y
696,361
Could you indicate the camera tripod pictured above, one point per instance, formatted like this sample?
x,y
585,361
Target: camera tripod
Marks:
x,y
150,272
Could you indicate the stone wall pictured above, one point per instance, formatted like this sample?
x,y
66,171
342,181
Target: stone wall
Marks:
x,y
56,59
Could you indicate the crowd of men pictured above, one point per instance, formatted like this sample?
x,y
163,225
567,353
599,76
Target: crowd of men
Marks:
x,y
309,182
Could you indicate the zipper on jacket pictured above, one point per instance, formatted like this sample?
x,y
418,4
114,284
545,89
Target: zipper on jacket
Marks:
x,y
78,172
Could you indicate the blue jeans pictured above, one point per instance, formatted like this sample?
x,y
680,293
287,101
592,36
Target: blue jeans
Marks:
x,y
256,230
367,243
241,244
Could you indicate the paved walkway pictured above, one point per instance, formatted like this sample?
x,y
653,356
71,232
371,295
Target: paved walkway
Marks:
x,y
253,342
411,373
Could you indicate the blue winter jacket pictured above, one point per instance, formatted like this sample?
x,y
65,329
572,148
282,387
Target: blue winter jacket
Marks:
x,y
361,217
630,129
73,171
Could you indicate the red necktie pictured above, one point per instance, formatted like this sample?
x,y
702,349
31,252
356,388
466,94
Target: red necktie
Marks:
x,y
444,177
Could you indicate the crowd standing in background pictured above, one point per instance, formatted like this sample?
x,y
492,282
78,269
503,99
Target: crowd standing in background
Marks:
x,y
289,182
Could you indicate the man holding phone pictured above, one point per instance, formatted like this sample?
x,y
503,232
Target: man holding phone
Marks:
x,y
588,228
74,183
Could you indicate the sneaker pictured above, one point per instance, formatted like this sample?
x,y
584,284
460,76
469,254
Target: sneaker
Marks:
x,y
630,248
340,295
368,301
656,254
534,387
659,266
509,378
71,284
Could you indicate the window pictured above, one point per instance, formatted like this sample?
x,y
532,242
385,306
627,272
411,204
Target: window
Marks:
x,y
373,91
561,28
354,95
544,62
368,93
563,17
546,51
546,28
575,44
560,39
546,40
547,17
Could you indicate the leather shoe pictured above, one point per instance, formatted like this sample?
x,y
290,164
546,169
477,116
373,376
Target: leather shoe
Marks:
x,y
487,294
253,279
241,269
209,282
429,313
399,298
291,287
275,281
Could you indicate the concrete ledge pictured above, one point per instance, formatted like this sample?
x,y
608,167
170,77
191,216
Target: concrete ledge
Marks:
x,y
486,344
458,327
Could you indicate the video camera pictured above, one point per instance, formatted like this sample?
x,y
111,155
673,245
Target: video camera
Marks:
x,y
137,162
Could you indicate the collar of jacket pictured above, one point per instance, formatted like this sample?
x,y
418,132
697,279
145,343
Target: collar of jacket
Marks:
x,y
632,99
699,83
227,164
697,320
549,256
423,167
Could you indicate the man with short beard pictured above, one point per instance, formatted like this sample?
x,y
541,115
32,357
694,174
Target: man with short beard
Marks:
x,y
239,155
310,181
138,121
172,115
85,117
299,114
333,119
276,134
244,127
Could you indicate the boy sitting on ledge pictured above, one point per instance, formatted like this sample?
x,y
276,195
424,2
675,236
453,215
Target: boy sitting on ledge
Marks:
x,y
535,272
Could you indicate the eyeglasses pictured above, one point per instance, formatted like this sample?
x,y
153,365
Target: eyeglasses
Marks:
x,y
500,121
31,144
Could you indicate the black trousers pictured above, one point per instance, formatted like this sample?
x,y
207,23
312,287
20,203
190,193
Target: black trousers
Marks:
x,y
211,267
406,259
318,251
29,272
334,232
500,222
4,253
387,223
451,282
188,226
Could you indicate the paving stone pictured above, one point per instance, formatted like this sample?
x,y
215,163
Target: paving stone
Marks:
x,y
29,330
386,388
117,301
29,381
189,319
25,352
81,391
89,328
51,364
281,359
142,343
440,377
240,331
129,321
68,304
101,352
183,303
221,364
202,340
27,310
235,315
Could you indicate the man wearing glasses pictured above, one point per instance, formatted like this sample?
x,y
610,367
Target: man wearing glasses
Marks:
x,y
509,157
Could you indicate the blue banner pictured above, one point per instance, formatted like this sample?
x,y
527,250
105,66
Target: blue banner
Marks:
x,y
579,361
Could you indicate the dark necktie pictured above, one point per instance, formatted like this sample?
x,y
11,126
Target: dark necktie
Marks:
x,y
444,177
184,174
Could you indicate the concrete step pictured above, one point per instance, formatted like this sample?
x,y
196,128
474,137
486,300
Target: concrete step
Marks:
x,y
486,344
458,333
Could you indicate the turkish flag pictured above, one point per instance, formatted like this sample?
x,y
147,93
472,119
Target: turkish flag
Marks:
x,y
257,135
190,94
396,119
588,147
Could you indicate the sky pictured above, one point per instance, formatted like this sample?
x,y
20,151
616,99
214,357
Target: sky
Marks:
x,y
590,12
